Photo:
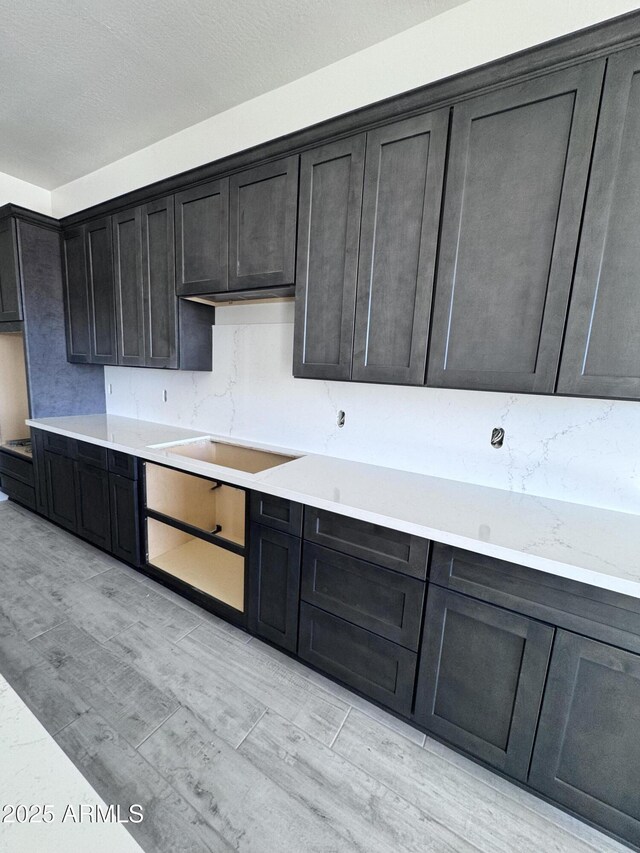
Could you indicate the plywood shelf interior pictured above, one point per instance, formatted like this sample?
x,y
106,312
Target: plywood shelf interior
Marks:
x,y
14,402
196,501
207,567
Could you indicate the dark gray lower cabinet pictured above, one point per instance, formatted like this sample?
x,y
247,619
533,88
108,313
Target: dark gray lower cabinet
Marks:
x,y
92,504
587,753
274,585
125,519
386,602
61,489
376,667
482,674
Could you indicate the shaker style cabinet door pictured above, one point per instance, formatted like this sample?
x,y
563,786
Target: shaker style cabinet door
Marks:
x,y
127,251
202,239
158,282
481,678
404,172
601,355
262,234
327,261
76,297
518,167
10,298
92,505
587,752
102,303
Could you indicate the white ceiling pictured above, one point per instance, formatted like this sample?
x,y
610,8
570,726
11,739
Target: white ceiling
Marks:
x,y
85,82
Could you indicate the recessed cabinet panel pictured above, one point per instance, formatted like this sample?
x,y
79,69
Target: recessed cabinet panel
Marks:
x,y
518,167
101,292
482,673
601,355
127,249
327,262
404,172
262,237
61,489
158,278
202,239
92,500
77,297
125,519
10,298
587,753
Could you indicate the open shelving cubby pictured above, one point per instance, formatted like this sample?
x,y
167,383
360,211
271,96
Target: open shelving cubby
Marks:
x,y
196,532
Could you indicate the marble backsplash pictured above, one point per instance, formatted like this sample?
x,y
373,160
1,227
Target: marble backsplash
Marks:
x,y
571,449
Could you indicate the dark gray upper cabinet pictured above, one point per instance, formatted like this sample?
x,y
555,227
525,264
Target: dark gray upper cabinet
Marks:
x,y
158,284
601,355
262,234
102,305
482,674
202,239
127,264
518,167
404,172
90,294
329,214
587,752
76,297
10,298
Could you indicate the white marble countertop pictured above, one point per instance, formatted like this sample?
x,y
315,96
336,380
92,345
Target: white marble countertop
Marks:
x,y
595,546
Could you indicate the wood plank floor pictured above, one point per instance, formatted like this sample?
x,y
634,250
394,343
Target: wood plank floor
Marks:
x,y
228,744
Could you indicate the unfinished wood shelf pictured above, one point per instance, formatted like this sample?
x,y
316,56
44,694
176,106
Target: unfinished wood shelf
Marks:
x,y
196,501
205,566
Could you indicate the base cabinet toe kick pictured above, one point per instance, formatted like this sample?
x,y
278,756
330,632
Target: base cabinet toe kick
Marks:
x,y
534,676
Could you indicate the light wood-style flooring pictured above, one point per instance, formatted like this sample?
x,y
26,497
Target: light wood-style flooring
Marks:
x,y
226,743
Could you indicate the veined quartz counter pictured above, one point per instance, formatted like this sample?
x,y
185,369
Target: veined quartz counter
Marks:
x,y
587,544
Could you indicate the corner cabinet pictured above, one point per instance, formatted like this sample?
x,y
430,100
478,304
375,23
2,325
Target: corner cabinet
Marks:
x,y
518,169
601,356
367,239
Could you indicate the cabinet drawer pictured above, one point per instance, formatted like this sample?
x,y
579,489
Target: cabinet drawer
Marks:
x,y
382,601
18,491
123,464
93,454
60,444
602,614
278,513
16,468
390,548
376,667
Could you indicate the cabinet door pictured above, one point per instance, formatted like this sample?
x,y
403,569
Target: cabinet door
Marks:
x,y
587,752
274,586
481,678
262,235
127,262
518,166
404,171
92,504
39,471
76,297
61,489
601,355
10,298
125,520
327,261
102,302
158,278
202,239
